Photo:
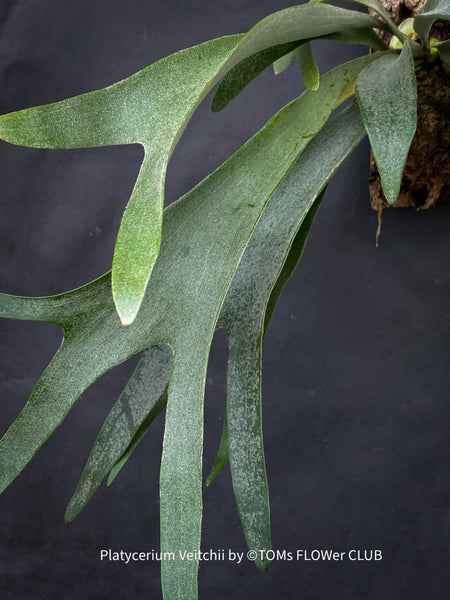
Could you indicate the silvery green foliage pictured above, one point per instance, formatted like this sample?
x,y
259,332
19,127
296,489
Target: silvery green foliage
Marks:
x,y
387,96
219,257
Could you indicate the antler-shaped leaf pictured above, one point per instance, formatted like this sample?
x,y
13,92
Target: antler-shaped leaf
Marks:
x,y
152,108
204,237
283,228
261,278
268,261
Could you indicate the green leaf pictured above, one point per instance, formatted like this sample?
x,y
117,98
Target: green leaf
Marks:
x,y
387,96
291,262
308,67
244,310
204,237
434,9
140,402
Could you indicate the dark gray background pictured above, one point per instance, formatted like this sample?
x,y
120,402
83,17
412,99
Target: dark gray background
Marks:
x,y
356,371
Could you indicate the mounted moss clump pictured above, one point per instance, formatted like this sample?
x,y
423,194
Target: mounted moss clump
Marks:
x,y
220,256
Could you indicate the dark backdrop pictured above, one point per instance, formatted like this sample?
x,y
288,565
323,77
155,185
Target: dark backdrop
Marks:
x,y
356,372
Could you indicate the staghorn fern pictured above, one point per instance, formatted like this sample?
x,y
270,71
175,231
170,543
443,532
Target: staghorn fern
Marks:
x,y
227,248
